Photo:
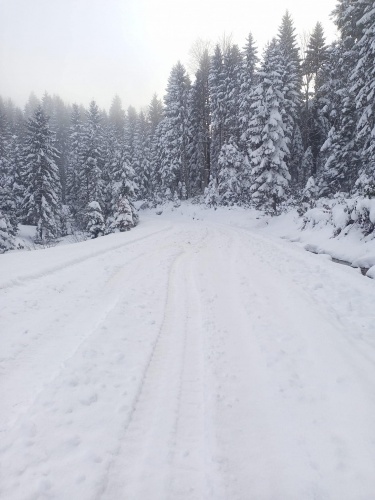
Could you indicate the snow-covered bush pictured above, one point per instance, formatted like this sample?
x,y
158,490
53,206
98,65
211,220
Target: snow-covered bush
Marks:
x,y
363,215
95,221
342,214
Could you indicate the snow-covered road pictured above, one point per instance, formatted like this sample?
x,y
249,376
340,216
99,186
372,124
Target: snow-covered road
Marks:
x,y
186,359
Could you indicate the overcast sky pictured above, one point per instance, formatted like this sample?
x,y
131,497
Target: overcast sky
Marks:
x,y
85,49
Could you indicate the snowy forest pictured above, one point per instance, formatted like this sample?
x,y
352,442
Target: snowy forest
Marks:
x,y
287,128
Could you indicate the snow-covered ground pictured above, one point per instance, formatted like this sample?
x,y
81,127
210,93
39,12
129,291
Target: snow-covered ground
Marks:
x,y
198,356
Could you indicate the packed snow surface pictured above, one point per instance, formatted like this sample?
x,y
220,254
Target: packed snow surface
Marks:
x,y
197,356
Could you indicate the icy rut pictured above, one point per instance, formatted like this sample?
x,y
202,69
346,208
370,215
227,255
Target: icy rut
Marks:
x,y
201,361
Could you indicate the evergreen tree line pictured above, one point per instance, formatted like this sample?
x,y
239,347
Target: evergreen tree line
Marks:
x,y
289,127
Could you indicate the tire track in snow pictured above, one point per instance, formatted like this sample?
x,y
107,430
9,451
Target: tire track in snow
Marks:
x,y
283,420
26,451
61,267
142,464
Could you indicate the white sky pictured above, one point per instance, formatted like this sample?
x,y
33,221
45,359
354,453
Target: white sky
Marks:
x,y
85,49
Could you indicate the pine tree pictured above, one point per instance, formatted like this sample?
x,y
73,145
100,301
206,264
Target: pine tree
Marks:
x,y
309,196
199,127
307,167
211,194
7,195
74,165
95,221
116,117
267,134
248,82
232,84
230,174
6,238
91,185
123,217
142,163
363,87
291,78
316,56
175,162
155,113
42,196
342,149
296,156
217,105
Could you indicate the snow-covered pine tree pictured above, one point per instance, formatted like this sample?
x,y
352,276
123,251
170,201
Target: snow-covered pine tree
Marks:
x,y
199,127
155,113
94,220
123,219
211,194
217,108
42,200
233,73
362,78
16,161
116,117
6,238
341,148
230,174
119,183
296,158
31,106
131,118
309,196
142,161
59,120
7,196
292,79
306,167
314,131
158,156
91,185
248,80
74,162
268,143
175,161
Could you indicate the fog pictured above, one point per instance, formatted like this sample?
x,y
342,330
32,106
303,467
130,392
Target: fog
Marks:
x,y
85,49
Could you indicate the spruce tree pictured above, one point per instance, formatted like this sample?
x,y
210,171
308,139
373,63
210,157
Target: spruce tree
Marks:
x,y
174,172
6,238
94,220
41,204
362,79
123,219
230,174
291,78
217,106
155,113
316,57
268,141
74,163
142,161
116,117
307,166
199,119
91,185
248,80
8,205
